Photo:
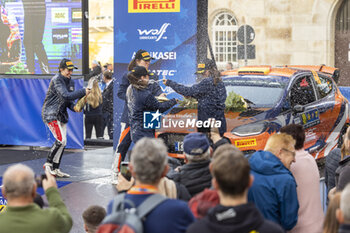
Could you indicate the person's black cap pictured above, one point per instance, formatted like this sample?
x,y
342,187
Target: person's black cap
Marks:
x,y
144,55
205,65
66,63
139,71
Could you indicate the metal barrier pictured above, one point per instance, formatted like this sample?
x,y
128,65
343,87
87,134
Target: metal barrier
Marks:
x,y
323,193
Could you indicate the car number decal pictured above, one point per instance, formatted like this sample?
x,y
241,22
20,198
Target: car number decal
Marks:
x,y
310,118
179,146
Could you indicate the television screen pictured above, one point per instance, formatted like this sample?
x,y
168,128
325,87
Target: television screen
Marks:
x,y
36,34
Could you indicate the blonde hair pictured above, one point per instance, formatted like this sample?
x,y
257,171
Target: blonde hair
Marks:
x,y
95,96
331,224
344,150
278,141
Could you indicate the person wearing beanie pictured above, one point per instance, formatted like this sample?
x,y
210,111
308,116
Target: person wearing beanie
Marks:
x,y
195,174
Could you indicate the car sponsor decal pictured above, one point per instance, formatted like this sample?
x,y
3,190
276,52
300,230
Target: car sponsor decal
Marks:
x,y
310,118
153,6
317,79
245,143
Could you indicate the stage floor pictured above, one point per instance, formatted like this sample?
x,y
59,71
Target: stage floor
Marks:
x,y
90,172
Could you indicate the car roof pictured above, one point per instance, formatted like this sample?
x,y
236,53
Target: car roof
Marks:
x,y
284,71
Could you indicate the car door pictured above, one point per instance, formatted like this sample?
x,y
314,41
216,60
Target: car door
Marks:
x,y
307,110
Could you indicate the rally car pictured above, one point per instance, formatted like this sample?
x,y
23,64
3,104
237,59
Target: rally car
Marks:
x,y
273,97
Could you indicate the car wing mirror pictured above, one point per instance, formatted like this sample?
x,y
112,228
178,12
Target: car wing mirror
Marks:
x,y
298,108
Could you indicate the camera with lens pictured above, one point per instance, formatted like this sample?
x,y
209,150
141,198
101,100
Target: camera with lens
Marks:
x,y
39,179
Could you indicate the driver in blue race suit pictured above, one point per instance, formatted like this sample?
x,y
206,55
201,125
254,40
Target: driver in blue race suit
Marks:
x,y
210,93
59,97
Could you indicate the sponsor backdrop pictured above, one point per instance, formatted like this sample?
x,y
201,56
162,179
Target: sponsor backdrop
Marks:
x,y
165,28
20,119
37,34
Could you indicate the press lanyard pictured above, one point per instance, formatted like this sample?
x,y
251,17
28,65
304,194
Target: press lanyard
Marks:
x,y
143,189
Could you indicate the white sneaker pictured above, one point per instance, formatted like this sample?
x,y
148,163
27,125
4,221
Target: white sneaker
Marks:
x,y
61,174
114,178
48,167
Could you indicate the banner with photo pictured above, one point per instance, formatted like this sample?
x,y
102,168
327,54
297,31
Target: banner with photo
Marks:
x,y
167,30
36,34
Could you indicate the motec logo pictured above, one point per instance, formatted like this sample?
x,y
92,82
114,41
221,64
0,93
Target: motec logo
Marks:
x,y
153,6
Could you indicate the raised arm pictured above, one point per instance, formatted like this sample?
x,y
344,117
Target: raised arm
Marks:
x,y
62,90
123,87
193,91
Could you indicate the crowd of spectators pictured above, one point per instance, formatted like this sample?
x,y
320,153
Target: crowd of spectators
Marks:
x,y
221,190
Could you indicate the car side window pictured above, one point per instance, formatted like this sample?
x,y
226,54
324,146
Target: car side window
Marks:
x,y
302,92
324,85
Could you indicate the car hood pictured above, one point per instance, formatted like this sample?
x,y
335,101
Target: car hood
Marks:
x,y
233,119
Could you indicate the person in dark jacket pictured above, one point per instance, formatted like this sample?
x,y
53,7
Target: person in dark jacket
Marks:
x,y
107,105
142,58
274,190
59,97
93,111
210,93
342,174
95,70
141,99
332,163
343,213
195,174
232,180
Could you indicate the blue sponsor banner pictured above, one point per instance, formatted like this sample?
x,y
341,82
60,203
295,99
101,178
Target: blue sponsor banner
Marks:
x,y
20,119
167,30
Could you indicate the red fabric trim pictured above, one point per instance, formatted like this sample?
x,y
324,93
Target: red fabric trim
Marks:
x,y
55,129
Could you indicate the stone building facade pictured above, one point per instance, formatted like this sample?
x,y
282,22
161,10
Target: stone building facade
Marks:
x,y
298,32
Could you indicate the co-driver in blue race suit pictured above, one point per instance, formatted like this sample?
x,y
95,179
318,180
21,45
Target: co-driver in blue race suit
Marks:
x,y
210,93
142,58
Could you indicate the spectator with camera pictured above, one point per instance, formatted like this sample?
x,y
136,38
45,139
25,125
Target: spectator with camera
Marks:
x,y
22,214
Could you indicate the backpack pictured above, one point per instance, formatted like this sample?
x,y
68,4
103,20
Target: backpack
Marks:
x,y
130,220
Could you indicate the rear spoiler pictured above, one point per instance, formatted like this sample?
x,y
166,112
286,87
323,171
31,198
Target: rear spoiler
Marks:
x,y
334,72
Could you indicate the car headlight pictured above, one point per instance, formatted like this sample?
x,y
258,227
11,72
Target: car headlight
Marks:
x,y
250,129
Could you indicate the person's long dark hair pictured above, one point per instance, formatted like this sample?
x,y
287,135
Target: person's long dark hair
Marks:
x,y
136,81
132,64
215,74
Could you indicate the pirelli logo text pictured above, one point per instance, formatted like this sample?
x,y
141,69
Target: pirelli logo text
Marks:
x,y
245,143
153,6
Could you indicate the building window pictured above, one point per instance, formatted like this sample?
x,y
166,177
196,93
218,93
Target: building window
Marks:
x,y
225,38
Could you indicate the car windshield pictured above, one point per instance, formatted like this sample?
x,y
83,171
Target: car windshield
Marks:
x,y
258,91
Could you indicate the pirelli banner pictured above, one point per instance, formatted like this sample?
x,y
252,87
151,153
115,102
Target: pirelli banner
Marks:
x,y
167,30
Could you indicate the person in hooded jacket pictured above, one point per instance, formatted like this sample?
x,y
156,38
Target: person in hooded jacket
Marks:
x,y
274,190
210,93
232,179
59,97
140,99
